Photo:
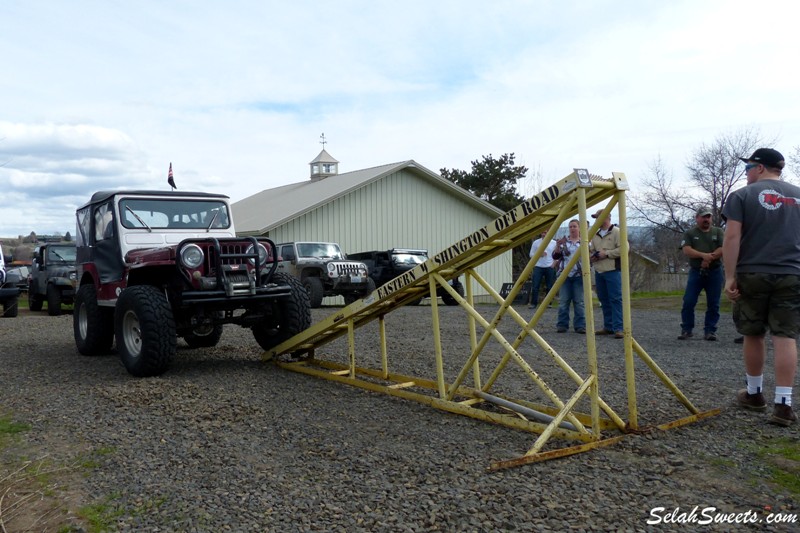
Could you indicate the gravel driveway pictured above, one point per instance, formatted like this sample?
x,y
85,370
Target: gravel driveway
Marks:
x,y
224,442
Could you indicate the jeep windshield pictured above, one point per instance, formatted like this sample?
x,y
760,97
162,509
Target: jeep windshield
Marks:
x,y
319,249
63,254
173,213
409,259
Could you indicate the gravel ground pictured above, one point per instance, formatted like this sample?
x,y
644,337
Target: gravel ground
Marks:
x,y
224,442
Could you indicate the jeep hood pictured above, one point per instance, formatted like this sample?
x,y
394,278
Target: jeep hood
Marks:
x,y
151,255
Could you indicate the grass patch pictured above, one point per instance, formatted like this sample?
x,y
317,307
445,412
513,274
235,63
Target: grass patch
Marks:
x,y
783,457
10,429
102,515
655,294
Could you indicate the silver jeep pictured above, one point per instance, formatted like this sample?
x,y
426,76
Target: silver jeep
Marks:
x,y
324,270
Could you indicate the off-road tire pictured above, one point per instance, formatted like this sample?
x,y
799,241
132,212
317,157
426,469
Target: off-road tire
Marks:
x,y
199,339
11,308
449,300
92,325
145,329
35,301
294,315
315,291
53,300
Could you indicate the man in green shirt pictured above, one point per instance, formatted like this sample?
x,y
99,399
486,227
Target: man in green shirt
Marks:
x,y
703,246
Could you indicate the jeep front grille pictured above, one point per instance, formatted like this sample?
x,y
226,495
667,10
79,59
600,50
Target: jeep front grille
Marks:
x,y
237,249
348,269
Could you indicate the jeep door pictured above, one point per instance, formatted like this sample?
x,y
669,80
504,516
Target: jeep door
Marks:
x,y
38,275
107,252
287,256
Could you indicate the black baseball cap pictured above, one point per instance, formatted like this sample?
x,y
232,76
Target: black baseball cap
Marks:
x,y
767,157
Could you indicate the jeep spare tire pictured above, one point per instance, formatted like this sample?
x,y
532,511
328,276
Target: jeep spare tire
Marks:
x,y
145,330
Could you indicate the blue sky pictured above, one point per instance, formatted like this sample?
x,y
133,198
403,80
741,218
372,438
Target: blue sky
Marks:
x,y
105,94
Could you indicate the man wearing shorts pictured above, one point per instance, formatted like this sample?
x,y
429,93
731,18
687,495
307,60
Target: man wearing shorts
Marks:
x,y
761,254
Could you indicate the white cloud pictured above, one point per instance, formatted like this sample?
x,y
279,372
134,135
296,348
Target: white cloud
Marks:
x,y
235,95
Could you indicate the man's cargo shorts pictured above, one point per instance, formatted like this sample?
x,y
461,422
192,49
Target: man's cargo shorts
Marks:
x,y
767,302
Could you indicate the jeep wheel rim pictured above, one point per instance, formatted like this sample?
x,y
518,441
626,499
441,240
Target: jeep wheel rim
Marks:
x,y
83,321
132,334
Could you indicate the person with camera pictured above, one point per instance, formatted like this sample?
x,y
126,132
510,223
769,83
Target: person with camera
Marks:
x,y
572,289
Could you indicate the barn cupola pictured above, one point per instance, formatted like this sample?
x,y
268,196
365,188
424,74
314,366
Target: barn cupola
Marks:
x,y
323,166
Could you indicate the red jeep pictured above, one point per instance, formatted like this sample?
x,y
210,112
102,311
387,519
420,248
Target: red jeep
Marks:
x,y
153,266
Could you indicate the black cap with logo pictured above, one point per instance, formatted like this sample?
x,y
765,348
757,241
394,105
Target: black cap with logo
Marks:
x,y
767,157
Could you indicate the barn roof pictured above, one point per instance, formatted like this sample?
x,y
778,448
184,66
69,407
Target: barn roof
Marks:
x,y
270,208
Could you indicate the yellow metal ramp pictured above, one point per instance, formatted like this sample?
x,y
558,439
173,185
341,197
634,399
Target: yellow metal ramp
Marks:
x,y
558,419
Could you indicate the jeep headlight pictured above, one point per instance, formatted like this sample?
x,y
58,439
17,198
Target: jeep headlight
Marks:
x,y
262,254
191,256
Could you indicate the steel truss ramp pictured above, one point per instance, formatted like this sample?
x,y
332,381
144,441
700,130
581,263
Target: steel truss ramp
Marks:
x,y
558,418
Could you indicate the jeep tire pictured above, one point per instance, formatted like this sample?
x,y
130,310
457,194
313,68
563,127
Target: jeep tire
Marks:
x,y
315,291
92,325
53,300
145,330
35,301
204,337
449,300
11,307
294,314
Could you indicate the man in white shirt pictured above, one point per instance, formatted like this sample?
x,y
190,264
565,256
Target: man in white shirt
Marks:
x,y
543,269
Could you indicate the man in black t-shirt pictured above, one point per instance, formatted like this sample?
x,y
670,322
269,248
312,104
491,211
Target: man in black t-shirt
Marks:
x,y
762,277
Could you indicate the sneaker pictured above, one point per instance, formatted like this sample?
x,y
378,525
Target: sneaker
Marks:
x,y
739,340
580,330
711,336
685,335
783,415
561,330
604,331
619,335
754,402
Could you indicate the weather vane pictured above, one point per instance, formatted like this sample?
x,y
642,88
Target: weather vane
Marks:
x,y
323,142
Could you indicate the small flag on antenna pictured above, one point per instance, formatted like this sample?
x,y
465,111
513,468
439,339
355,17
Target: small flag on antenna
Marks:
x,y
170,179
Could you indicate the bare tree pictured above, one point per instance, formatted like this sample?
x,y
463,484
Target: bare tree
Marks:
x,y
793,164
717,170
713,172
663,204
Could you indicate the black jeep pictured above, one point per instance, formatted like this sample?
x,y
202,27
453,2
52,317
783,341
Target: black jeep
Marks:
x,y
385,265
52,277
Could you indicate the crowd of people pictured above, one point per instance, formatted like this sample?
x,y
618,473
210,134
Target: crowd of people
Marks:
x,y
755,260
